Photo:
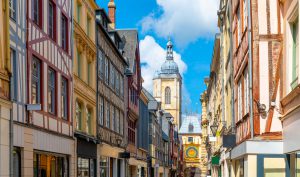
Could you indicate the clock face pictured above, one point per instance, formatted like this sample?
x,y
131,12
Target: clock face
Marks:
x,y
191,152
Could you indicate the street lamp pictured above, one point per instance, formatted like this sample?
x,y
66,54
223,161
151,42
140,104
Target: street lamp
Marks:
x,y
214,128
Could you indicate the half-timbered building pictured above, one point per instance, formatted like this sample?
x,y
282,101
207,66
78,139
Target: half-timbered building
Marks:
x,y
257,47
84,76
132,54
111,96
5,104
47,135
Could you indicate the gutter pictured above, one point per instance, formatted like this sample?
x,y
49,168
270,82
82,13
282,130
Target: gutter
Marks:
x,y
250,67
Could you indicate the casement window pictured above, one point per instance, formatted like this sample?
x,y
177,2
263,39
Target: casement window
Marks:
x,y
36,81
295,52
78,11
246,91
117,124
51,20
106,71
64,98
107,115
101,111
51,90
121,86
13,9
78,116
131,131
89,73
79,63
113,118
88,26
112,76
64,32
14,79
17,162
117,83
239,33
168,95
37,14
88,124
100,64
239,100
121,123
245,15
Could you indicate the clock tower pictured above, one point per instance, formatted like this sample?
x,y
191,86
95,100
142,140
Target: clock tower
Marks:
x,y
167,84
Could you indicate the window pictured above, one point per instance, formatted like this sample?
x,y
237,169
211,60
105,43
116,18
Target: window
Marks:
x,y
190,139
13,9
113,118
101,111
246,91
37,12
89,72
51,91
295,50
78,116
238,13
88,121
245,15
78,63
107,115
106,71
104,166
50,165
14,75
117,123
36,81
100,64
121,123
168,95
86,167
78,12
117,83
239,101
297,164
16,162
112,76
64,98
64,32
121,86
51,20
88,26
131,131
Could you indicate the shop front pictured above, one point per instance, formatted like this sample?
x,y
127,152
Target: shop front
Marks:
x,y
86,158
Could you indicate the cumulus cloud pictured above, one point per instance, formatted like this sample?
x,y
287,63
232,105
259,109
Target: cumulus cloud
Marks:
x,y
152,57
185,20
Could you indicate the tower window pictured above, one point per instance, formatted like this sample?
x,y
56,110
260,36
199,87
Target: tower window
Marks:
x,y
168,95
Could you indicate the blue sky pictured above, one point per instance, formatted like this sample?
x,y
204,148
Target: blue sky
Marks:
x,y
190,24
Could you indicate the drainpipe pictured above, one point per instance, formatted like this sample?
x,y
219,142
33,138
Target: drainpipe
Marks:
x,y
250,67
11,146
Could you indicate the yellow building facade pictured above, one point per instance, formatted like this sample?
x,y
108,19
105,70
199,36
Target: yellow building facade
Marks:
x,y
167,86
5,104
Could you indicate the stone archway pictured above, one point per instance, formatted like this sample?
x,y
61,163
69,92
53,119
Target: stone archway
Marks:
x,y
192,172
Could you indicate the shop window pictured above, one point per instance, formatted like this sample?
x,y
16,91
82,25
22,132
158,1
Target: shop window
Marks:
x,y
104,165
86,167
17,162
46,165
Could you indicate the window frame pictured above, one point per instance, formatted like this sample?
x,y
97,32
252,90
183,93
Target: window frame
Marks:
x,y
64,32
107,114
78,115
239,99
13,9
168,95
88,121
38,9
64,93
53,36
36,79
101,111
294,26
14,80
51,86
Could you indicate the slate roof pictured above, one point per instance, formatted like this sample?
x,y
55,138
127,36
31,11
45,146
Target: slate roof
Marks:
x,y
190,125
130,39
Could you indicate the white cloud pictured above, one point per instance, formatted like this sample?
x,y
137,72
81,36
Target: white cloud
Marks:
x,y
152,57
185,20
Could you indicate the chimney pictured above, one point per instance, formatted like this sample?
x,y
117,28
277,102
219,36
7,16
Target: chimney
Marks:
x,y
112,13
